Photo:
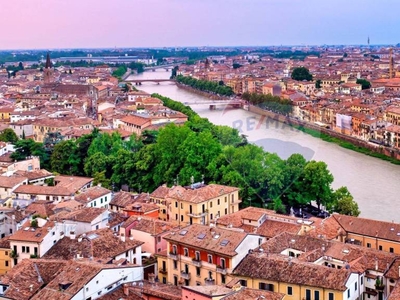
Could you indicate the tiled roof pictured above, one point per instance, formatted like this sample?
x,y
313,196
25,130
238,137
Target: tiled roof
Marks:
x,y
91,194
209,239
149,225
31,234
72,183
10,182
43,190
105,245
43,208
200,194
86,214
122,199
278,268
252,294
372,228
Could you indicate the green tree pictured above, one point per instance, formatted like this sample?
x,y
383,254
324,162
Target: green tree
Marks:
x,y
292,193
64,158
20,66
344,203
318,84
365,84
28,147
236,66
317,182
100,178
301,73
174,72
8,135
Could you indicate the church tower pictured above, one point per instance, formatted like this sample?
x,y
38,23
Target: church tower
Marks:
x,y
48,71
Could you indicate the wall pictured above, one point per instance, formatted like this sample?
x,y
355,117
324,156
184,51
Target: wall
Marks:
x,y
107,280
5,259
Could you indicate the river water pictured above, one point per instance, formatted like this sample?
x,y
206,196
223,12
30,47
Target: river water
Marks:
x,y
374,183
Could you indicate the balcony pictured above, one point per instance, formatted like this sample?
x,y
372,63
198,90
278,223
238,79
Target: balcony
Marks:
x,y
209,281
221,270
162,271
196,262
238,201
185,275
196,215
173,255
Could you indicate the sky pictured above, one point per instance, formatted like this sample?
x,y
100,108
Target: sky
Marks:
x,y
50,24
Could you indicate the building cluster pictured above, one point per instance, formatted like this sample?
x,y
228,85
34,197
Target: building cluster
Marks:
x,y
334,99
73,101
75,240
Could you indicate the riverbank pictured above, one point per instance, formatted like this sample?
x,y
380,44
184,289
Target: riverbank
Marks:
x,y
345,141
208,95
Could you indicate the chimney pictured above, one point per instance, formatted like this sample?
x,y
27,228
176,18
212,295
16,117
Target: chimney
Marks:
x,y
126,290
122,237
72,235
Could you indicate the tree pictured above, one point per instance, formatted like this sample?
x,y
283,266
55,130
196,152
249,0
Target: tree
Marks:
x,y
20,66
365,84
8,135
174,72
301,73
236,66
317,182
344,203
64,158
293,180
318,84
26,148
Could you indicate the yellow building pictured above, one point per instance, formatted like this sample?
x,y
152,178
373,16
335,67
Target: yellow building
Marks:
x,y
195,204
378,235
200,255
5,253
392,115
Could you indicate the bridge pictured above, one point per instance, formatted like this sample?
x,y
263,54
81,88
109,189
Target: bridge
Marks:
x,y
140,81
234,103
167,67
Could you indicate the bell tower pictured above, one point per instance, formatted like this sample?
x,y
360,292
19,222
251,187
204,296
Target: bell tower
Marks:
x,y
48,71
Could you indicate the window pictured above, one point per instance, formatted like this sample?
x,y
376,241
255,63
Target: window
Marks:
x,y
185,252
197,255
210,204
181,218
362,280
27,249
6,263
6,253
158,239
226,211
174,249
164,280
211,216
101,200
355,286
175,280
266,286
223,264
331,296
348,293
308,295
176,204
369,245
94,203
105,199
175,264
23,249
391,250
176,217
218,202
380,247
243,282
181,205
197,271
316,295
210,259
225,199
289,290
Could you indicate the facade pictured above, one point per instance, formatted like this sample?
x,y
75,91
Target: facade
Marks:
x,y
5,260
95,196
196,204
34,239
200,255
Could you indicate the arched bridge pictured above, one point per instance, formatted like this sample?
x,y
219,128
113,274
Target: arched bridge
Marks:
x,y
234,103
140,81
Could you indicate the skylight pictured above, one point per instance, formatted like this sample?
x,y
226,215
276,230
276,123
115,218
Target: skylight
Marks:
x,y
92,236
224,243
183,232
201,236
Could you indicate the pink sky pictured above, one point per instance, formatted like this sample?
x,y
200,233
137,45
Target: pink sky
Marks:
x,y
150,23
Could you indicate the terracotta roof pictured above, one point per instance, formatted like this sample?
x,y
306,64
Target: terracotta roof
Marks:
x,y
43,208
368,227
105,245
91,194
5,243
252,294
86,214
209,239
32,175
200,194
116,218
43,190
31,234
161,192
122,199
72,183
10,182
277,268
149,225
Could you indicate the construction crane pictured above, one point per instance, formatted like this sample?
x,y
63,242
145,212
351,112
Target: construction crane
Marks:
x,y
391,63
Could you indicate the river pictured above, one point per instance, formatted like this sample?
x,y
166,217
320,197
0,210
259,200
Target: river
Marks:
x,y
374,183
